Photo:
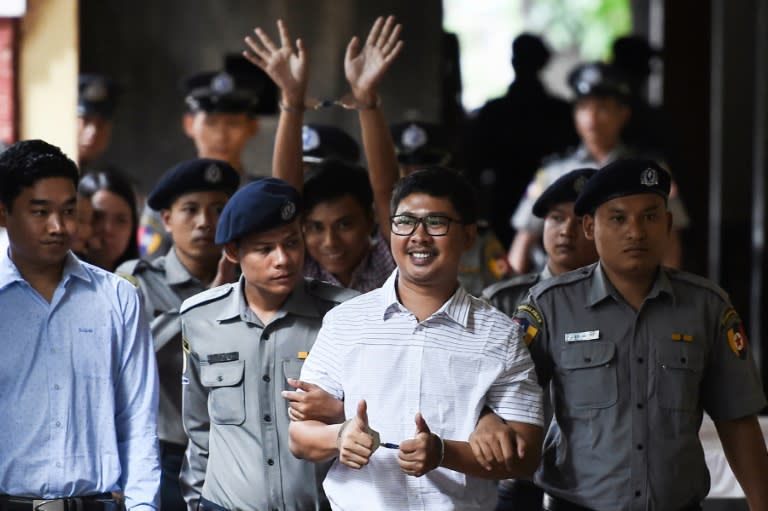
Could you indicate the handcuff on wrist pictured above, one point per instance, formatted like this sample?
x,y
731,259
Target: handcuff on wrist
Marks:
x,y
347,102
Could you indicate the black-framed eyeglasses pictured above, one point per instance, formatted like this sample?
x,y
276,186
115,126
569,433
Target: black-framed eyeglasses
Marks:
x,y
435,225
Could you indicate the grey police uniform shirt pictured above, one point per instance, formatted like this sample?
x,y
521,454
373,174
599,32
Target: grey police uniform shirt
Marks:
x,y
509,293
164,283
237,421
524,219
629,387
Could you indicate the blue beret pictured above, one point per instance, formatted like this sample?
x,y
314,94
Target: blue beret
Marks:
x,y
258,206
565,189
322,142
96,95
420,143
193,176
599,79
623,177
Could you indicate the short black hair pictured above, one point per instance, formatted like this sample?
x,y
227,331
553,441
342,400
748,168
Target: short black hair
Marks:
x,y
443,183
26,162
115,182
333,179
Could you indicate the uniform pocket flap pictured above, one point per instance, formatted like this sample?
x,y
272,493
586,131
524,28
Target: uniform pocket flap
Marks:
x,y
587,354
681,359
223,374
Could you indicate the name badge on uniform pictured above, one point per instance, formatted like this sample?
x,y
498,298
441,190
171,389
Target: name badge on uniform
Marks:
x,y
589,335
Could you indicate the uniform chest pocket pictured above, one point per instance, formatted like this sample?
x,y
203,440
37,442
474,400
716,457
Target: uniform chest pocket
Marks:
x,y
588,374
226,398
678,377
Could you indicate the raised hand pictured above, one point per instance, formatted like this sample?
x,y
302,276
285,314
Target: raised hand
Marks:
x,y
312,404
422,453
356,441
364,67
288,67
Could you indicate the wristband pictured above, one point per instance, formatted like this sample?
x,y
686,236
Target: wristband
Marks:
x,y
442,449
349,102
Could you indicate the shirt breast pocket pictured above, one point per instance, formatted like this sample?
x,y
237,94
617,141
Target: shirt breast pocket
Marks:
x,y
678,377
92,352
226,400
589,378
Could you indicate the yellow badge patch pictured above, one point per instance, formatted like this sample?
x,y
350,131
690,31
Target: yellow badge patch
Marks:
x,y
730,315
302,355
531,312
737,341
682,337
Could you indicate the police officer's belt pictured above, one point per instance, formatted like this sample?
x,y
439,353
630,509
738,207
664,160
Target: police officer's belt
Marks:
x,y
555,504
100,502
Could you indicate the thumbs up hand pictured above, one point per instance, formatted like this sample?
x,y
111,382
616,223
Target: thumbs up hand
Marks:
x,y
422,453
356,441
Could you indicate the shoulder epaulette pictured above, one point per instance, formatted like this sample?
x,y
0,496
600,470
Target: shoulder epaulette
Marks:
x,y
328,291
207,296
562,280
697,281
527,279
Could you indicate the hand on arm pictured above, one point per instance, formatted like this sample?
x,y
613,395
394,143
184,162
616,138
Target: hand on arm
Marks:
x,y
288,68
364,68
516,446
745,450
313,403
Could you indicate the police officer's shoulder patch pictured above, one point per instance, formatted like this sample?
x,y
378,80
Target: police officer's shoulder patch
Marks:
x,y
526,280
329,292
207,296
528,321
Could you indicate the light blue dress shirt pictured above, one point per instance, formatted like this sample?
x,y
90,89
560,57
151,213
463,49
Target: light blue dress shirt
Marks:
x,y
78,388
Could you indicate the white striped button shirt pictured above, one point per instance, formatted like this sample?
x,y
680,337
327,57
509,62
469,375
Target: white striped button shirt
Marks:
x,y
447,367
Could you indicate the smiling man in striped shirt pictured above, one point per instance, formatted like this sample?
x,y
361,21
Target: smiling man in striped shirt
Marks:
x,y
415,361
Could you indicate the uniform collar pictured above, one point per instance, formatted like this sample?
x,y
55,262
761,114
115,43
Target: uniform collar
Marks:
x,y
73,268
583,156
546,273
455,308
298,303
602,288
175,272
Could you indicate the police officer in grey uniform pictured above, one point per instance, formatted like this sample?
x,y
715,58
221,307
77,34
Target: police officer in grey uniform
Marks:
x,y
189,197
636,352
564,241
601,110
241,342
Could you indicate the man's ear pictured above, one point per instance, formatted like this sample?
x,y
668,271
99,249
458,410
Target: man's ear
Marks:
x,y
588,223
253,127
3,215
166,216
470,235
187,122
230,252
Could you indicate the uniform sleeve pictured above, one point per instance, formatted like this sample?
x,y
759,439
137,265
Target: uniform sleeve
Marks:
x,y
531,331
516,394
731,385
323,364
136,400
194,410
523,218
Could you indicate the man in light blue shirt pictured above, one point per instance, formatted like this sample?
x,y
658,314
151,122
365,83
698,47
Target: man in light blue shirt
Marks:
x,y
78,375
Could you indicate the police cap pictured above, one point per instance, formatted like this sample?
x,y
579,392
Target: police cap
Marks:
x,y
420,143
198,175
240,87
258,206
321,142
599,79
96,95
565,189
621,178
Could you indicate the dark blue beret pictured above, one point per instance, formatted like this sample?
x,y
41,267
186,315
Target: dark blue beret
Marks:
x,y
258,206
193,176
599,79
623,177
240,87
420,143
565,189
96,95
321,142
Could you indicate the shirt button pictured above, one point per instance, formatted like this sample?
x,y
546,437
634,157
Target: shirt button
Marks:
x,y
58,464
219,378
639,406
58,424
266,378
638,493
267,418
639,360
56,386
683,360
587,359
639,447
265,337
270,462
